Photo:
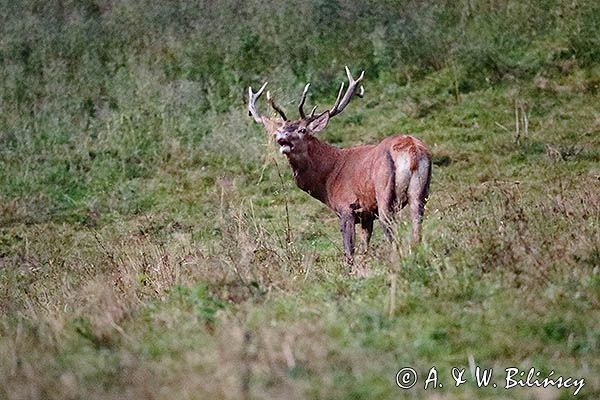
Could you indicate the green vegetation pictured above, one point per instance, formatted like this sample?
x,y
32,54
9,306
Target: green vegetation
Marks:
x,y
143,223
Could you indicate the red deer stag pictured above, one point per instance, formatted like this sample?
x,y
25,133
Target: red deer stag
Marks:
x,y
359,183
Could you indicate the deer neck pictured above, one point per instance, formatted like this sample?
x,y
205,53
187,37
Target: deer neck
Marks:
x,y
312,169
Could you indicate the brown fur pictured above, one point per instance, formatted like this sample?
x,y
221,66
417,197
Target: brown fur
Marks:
x,y
343,178
358,183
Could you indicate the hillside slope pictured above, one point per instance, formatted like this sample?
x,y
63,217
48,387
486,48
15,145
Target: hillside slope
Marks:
x,y
144,218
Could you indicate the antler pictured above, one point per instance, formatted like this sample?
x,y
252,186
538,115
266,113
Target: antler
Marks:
x,y
339,105
275,106
252,97
301,105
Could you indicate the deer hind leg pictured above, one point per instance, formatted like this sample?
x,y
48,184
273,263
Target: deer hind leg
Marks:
x,y
386,204
387,223
385,193
418,190
417,209
366,229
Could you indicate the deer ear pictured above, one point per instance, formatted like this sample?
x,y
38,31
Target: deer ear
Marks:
x,y
272,126
319,123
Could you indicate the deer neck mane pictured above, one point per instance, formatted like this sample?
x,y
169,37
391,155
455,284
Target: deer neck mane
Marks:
x,y
312,169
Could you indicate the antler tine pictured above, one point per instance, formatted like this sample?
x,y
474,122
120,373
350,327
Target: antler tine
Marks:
x,y
301,105
312,112
349,74
337,99
275,106
340,104
252,97
361,92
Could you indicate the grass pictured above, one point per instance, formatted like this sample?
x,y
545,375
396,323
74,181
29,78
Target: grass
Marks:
x,y
143,223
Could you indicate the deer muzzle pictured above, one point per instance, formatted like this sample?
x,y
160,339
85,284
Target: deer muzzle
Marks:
x,y
285,146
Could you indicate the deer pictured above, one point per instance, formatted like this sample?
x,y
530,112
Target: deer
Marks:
x,y
359,184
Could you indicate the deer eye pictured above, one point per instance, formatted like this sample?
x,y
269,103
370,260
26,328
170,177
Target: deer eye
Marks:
x,y
302,130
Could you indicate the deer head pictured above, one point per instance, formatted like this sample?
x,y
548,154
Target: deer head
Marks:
x,y
293,135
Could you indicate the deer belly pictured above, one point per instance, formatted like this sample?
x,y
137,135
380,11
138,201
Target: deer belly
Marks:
x,y
364,206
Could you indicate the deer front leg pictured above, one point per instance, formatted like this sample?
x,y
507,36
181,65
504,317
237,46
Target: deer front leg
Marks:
x,y
348,234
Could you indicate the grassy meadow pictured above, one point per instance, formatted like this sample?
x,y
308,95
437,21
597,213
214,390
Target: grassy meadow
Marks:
x,y
153,244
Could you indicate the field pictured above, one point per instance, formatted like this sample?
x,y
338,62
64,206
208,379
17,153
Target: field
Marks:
x,y
153,244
